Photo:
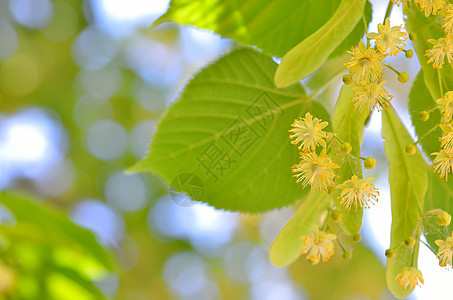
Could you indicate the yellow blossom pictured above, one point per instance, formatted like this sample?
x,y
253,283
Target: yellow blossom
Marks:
x,y
445,252
443,48
444,162
358,191
446,104
404,2
410,277
365,64
318,244
446,140
430,6
448,19
308,131
370,95
315,170
389,38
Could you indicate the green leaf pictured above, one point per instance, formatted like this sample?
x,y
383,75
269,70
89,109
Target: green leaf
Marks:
x,y
312,52
225,142
408,185
427,28
420,99
275,26
54,228
348,125
286,247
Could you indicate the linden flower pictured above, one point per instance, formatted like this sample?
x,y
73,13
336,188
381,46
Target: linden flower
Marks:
x,y
448,18
444,161
315,170
442,48
391,38
445,252
446,141
358,191
318,244
447,104
309,132
431,6
365,64
369,95
410,277
404,2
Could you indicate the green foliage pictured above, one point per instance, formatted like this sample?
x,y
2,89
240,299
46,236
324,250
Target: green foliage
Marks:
x,y
232,110
311,53
286,247
65,250
348,124
408,186
425,29
274,26
420,99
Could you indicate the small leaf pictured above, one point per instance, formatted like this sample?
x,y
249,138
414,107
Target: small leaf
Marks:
x,y
420,99
311,53
348,125
427,28
408,185
226,141
286,247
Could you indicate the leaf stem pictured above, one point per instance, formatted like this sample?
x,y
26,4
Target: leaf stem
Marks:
x,y
426,133
389,10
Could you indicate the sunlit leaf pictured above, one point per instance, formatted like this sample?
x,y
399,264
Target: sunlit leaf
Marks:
x,y
225,142
286,247
274,26
408,185
348,125
312,52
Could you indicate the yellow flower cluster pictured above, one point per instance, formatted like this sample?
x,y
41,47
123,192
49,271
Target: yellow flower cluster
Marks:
x,y
317,170
410,277
445,251
318,245
366,66
443,161
427,6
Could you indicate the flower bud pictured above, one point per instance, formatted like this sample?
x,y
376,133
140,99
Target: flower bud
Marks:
x,y
409,53
389,253
412,36
410,242
346,148
347,79
403,77
424,115
356,237
347,255
336,216
369,163
444,218
411,149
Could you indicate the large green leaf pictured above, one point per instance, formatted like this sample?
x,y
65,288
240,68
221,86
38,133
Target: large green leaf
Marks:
x,y
420,99
286,247
408,185
54,228
275,26
312,52
225,142
427,28
348,125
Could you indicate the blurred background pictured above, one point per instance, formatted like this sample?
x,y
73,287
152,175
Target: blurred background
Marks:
x,y
82,85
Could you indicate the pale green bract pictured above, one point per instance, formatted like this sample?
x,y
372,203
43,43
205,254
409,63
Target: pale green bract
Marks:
x,y
408,185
